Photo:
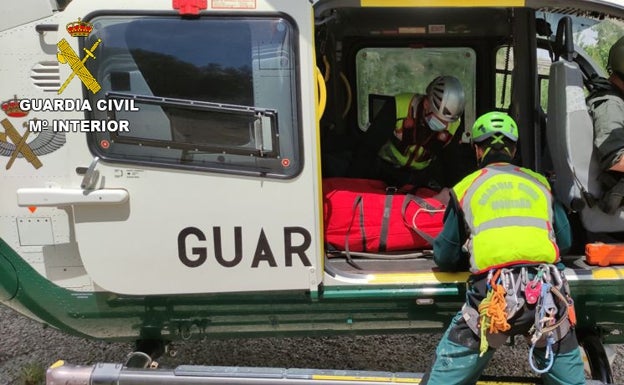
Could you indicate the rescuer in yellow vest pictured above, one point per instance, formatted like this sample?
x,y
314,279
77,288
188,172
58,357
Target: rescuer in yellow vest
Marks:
x,y
424,125
502,224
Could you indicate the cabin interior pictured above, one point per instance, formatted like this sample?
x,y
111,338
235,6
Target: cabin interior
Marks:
x,y
504,58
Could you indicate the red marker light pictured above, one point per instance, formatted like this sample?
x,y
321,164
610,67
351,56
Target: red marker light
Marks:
x,y
189,7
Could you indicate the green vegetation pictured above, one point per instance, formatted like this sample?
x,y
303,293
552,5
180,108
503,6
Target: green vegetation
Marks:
x,y
606,33
32,373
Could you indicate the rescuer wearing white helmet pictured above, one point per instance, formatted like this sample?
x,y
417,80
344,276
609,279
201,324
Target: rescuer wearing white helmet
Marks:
x,y
425,124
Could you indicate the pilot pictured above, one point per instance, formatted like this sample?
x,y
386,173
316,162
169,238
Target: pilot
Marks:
x,y
606,106
504,226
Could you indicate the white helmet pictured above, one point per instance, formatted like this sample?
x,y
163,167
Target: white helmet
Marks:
x,y
446,98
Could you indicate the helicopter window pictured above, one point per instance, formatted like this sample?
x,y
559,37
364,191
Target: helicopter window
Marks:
x,y
390,71
211,93
504,68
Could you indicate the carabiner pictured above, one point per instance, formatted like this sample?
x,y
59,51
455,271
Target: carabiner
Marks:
x,y
549,356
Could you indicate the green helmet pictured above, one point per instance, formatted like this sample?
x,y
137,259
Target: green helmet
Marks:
x,y
492,123
615,63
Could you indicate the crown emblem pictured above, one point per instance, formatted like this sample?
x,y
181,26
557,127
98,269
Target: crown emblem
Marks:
x,y
79,28
11,108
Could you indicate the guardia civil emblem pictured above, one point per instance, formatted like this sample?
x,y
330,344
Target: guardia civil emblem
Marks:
x,y
67,55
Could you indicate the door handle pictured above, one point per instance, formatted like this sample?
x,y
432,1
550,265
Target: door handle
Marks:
x,y
68,197
85,195
91,176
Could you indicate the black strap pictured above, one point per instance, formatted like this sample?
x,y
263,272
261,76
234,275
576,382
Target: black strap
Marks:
x,y
409,198
357,203
599,85
394,256
613,198
385,220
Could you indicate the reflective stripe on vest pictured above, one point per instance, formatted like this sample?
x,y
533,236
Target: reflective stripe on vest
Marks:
x,y
509,212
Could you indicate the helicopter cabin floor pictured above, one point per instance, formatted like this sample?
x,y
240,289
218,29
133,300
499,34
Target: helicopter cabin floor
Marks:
x,y
421,261
380,263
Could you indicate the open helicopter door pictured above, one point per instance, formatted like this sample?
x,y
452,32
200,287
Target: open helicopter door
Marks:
x,y
191,168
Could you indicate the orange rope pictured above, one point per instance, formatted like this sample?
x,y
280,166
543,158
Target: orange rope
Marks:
x,y
496,310
492,314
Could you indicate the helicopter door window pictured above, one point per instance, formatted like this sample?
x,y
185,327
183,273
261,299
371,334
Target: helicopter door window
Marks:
x,y
214,94
504,68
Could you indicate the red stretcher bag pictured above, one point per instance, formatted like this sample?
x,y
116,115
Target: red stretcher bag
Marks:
x,y
365,215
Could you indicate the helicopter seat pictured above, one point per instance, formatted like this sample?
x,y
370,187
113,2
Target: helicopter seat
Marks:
x,y
570,138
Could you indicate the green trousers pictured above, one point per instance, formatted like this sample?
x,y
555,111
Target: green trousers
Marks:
x,y
458,364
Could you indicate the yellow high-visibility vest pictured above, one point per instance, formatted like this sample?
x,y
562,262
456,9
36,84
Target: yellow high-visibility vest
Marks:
x,y
509,212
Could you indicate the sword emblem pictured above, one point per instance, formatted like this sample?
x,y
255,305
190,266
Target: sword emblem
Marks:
x,y
67,55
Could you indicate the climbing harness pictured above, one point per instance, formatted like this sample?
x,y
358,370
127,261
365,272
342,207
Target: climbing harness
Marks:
x,y
508,290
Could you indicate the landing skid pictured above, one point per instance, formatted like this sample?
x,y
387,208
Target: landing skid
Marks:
x,y
107,373
147,351
142,369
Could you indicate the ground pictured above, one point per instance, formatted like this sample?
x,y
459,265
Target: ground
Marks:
x,y
24,342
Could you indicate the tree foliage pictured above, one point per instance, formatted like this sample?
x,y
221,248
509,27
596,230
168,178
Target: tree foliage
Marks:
x,y
606,33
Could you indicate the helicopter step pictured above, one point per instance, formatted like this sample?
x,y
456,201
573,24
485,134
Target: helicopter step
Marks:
x,y
118,374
